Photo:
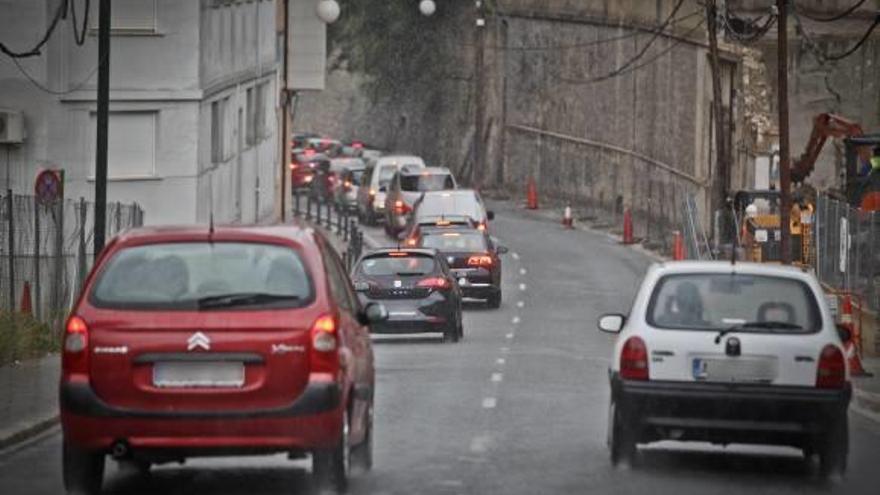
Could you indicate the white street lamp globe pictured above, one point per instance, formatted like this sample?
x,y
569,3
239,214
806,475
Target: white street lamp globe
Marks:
x,y
328,11
427,7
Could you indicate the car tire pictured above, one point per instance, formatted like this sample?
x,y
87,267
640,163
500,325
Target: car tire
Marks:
x,y
82,470
834,448
451,333
621,439
134,467
460,325
362,454
494,300
330,468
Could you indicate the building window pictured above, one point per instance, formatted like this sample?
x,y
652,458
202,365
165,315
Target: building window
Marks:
x,y
131,144
128,16
218,130
260,114
251,123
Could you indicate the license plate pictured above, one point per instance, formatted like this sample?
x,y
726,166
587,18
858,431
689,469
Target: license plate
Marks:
x,y
734,369
204,374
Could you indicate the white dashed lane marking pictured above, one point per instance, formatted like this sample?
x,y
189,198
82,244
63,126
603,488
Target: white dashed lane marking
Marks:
x,y
515,320
515,255
522,271
520,304
497,377
522,286
480,444
489,403
500,361
509,336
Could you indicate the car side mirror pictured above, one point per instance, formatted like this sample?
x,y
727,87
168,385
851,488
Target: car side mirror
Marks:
x,y
845,333
490,215
374,313
611,323
502,250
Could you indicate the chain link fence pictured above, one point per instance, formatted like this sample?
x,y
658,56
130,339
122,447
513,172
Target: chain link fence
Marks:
x,y
847,251
48,250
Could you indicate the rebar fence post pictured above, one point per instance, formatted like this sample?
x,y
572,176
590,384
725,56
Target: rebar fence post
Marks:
x,y
81,251
296,208
308,207
36,298
10,237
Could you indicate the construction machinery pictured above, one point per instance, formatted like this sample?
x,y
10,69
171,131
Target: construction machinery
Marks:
x,y
757,212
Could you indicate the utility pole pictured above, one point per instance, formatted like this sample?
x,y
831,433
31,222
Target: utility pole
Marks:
x,y
103,115
784,158
284,138
479,117
719,186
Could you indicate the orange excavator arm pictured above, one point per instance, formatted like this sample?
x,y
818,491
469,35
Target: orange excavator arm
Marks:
x,y
825,125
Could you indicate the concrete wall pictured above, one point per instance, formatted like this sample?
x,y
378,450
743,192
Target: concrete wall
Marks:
x,y
168,69
238,54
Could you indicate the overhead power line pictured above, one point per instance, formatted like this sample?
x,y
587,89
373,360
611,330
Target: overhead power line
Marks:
x,y
60,13
633,68
823,55
833,18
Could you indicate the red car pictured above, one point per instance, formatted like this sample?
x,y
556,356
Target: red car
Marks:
x,y
190,341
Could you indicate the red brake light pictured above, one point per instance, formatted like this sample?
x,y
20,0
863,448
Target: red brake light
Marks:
x,y
481,226
439,283
324,358
831,372
412,242
357,145
634,360
293,166
397,254
400,207
76,346
480,261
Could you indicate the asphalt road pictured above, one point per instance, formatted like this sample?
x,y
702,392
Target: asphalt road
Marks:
x,y
518,407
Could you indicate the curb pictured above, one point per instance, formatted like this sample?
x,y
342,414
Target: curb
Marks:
x,y
28,432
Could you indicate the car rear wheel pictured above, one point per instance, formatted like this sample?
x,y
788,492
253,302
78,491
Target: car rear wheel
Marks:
x,y
621,440
834,448
83,471
330,468
460,325
451,334
494,300
362,454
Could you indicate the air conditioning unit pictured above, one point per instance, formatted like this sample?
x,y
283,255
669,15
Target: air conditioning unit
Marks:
x,y
11,127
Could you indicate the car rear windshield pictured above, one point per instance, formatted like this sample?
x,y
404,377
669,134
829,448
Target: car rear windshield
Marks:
x,y
455,241
724,300
202,275
399,266
426,182
385,174
442,204
356,175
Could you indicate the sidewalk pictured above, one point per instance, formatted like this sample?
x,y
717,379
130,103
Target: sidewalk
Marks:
x,y
28,398
866,390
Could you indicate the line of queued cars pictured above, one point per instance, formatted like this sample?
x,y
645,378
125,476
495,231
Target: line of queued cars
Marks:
x,y
199,341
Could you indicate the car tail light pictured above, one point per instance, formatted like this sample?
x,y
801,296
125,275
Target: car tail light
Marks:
x,y
347,185
438,283
481,226
634,360
324,336
411,242
400,207
831,372
293,166
481,260
76,346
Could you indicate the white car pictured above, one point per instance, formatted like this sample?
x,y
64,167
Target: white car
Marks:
x,y
729,353
375,182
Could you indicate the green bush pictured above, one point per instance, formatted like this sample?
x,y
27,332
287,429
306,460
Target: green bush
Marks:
x,y
23,337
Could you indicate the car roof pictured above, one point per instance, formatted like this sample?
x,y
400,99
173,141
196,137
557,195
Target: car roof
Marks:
x,y
396,159
381,251
425,171
295,231
748,268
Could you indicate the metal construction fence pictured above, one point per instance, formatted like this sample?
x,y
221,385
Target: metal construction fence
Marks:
x,y
847,254
48,250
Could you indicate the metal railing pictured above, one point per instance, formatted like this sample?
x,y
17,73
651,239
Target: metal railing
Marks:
x,y
331,216
47,250
847,249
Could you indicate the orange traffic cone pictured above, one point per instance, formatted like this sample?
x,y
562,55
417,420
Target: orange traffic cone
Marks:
x,y
677,246
628,228
567,220
531,194
27,306
851,346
